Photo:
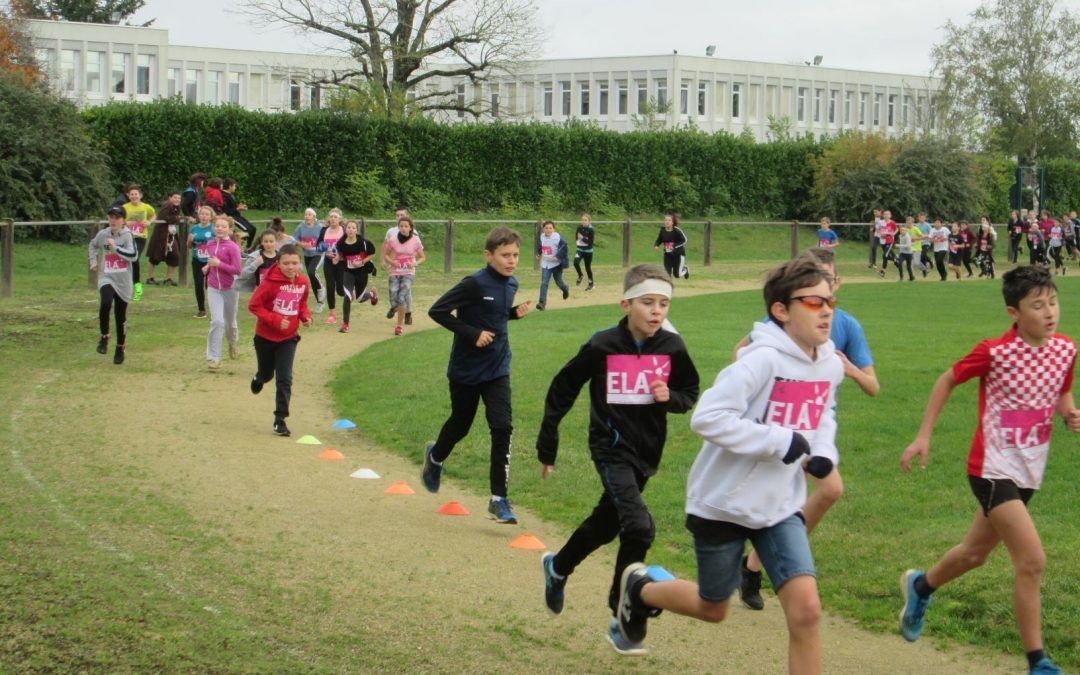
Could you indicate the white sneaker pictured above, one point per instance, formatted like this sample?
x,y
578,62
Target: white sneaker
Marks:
x,y
320,295
319,308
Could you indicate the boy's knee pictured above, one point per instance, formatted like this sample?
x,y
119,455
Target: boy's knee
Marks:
x,y
713,612
641,532
1032,563
805,614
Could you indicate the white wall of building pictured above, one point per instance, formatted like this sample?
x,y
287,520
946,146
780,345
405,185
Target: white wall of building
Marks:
x,y
96,63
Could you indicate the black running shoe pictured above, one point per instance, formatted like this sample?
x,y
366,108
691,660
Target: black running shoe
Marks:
x,y
118,355
553,585
566,293
256,385
280,429
431,475
750,588
408,318
632,615
103,344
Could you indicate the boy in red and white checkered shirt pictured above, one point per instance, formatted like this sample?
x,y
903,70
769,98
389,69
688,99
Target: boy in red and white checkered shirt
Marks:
x,y
1025,376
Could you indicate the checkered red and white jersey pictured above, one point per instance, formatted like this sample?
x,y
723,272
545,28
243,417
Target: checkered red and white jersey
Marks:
x,y
1019,388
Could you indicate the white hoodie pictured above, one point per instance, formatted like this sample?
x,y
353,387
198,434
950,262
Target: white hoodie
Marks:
x,y
747,419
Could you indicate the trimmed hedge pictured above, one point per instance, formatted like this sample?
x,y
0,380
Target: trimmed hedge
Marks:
x,y
287,161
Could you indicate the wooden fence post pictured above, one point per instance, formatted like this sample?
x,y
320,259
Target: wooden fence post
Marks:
x,y
448,247
626,243
708,243
363,228
794,238
7,259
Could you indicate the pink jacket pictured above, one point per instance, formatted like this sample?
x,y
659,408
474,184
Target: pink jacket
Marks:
x,y
222,276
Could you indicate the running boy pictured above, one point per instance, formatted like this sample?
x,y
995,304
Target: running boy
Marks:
x,y
140,217
551,252
280,306
114,279
851,346
761,419
1025,376
480,363
638,372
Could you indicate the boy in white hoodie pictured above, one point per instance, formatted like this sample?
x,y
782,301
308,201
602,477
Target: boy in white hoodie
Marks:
x,y
768,416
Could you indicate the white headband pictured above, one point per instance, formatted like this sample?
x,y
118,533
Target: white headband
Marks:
x,y
648,287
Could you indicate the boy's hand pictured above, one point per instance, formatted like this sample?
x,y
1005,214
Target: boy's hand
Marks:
x,y
93,267
918,447
206,269
524,308
307,322
660,391
1072,420
214,261
284,325
545,470
486,338
110,242
849,368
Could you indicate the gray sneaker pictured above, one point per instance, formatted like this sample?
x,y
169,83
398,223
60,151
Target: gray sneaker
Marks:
x,y
553,584
621,643
632,614
500,511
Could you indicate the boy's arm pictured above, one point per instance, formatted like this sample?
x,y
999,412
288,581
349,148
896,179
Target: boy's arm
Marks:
x,y
560,398
939,395
257,305
131,254
684,384
719,415
305,312
1067,409
466,292
92,251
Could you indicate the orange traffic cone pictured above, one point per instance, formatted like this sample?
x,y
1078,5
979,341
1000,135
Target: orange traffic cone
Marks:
x,y
527,542
453,509
399,488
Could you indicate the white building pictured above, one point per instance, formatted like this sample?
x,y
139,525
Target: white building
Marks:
x,y
95,63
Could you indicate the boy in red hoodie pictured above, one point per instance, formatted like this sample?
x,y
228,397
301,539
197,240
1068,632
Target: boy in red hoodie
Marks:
x,y
280,306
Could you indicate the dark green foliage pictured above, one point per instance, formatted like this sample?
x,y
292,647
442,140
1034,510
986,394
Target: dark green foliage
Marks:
x,y
1062,186
287,160
50,167
88,11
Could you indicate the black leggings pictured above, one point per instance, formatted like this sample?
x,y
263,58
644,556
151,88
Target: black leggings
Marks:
x,y
110,300
1055,253
621,512
198,280
140,246
464,400
905,259
332,273
671,262
354,281
587,257
939,261
311,265
926,257
1036,255
965,258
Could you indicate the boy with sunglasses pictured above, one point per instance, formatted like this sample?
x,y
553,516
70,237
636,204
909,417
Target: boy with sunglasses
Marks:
x,y
854,351
767,417
1025,377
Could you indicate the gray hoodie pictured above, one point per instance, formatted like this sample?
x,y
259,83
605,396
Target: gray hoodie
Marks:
x,y
747,419
115,267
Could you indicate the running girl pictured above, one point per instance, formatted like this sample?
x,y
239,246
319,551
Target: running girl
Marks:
x,y
114,279
354,255
221,269
201,234
402,253
328,239
673,239
256,266
585,237
307,238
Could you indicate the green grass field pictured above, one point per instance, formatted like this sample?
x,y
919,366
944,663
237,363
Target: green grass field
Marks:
x,y
52,572
886,521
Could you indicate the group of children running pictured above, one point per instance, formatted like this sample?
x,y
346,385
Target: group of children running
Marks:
x,y
767,423
935,246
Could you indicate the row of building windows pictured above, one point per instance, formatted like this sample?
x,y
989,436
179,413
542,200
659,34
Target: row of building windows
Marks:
x,y
104,74
845,107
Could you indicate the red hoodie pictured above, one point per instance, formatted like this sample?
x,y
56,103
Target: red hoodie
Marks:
x,y
214,199
277,298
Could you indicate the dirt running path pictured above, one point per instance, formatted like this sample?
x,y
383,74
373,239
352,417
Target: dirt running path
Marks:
x,y
410,589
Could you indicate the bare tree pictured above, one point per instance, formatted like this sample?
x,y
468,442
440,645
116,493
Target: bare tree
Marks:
x,y
405,48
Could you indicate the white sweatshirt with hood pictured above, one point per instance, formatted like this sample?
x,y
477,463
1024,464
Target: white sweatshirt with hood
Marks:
x,y
747,419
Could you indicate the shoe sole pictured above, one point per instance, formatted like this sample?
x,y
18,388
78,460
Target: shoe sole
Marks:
x,y
904,591
630,569
502,521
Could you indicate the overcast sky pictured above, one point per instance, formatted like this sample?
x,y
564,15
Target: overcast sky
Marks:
x,y
890,36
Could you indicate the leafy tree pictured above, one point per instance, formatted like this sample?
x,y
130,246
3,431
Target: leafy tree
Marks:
x,y
89,11
647,117
50,168
403,47
1011,78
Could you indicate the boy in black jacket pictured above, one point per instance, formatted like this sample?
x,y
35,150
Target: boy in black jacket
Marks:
x,y
480,363
638,371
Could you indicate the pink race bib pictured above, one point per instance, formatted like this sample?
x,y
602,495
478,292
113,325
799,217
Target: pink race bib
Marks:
x,y
114,264
546,250
287,300
1026,429
669,246
354,261
204,251
404,262
138,228
629,377
309,242
797,405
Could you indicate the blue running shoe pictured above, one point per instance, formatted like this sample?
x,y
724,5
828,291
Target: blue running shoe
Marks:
x,y
432,473
621,643
553,584
1045,667
914,611
500,511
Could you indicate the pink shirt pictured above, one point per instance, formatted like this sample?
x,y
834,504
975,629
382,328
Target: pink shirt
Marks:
x,y
403,256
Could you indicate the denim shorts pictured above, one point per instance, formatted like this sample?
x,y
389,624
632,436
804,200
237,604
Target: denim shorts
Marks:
x,y
783,548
